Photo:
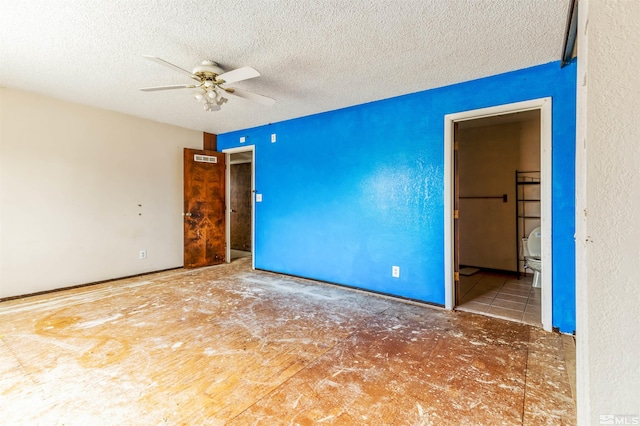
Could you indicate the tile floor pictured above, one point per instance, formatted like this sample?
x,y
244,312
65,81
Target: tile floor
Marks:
x,y
501,295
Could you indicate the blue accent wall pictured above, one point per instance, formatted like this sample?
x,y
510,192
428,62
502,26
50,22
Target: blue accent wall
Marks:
x,y
349,193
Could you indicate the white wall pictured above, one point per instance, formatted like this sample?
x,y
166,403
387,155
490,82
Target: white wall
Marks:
x,y
82,190
607,210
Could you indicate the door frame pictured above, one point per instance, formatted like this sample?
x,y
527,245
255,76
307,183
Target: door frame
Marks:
x,y
228,152
544,105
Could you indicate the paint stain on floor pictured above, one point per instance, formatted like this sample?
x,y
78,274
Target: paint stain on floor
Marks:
x,y
228,345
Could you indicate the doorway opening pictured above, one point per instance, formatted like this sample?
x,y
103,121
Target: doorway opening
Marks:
x,y
487,213
496,156
240,203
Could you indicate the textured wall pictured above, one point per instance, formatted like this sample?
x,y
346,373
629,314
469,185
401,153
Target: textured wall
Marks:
x,y
608,201
349,193
83,190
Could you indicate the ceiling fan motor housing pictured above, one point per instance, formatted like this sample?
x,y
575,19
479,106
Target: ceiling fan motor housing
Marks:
x,y
208,70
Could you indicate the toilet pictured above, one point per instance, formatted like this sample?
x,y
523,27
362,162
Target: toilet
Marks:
x,y
531,248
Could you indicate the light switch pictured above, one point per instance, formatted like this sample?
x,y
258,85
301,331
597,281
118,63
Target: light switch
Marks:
x,y
242,139
258,198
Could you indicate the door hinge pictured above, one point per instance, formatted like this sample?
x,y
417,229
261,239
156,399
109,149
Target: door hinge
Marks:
x,y
456,214
456,146
456,276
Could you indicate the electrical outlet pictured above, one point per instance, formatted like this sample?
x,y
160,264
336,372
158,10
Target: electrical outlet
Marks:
x,y
395,271
143,254
273,137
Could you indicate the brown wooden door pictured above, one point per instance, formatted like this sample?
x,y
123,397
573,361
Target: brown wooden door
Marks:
x,y
240,202
204,208
456,214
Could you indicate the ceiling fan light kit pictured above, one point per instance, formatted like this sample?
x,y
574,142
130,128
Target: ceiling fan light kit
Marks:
x,y
209,87
210,98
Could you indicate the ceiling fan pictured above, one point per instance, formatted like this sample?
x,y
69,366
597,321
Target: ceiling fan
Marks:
x,y
210,83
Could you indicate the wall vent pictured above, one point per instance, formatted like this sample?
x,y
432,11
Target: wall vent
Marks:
x,y
205,158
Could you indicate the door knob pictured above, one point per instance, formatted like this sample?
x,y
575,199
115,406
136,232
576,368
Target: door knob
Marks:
x,y
188,214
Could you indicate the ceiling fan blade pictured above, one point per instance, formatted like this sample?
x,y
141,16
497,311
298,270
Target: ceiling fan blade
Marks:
x,y
170,65
264,100
176,86
238,74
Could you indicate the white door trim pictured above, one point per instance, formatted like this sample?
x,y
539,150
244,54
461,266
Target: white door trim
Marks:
x,y
228,152
544,105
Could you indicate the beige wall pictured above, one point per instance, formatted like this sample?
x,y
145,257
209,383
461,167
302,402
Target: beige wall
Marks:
x,y
529,161
489,157
529,145
607,206
82,191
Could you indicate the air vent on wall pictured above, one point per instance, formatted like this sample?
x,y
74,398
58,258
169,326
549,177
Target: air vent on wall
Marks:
x,y
205,158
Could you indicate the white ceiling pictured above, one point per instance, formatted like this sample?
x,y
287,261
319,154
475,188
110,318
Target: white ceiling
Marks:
x,y
314,55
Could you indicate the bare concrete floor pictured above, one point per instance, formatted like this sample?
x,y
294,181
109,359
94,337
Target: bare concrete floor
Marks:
x,y
227,345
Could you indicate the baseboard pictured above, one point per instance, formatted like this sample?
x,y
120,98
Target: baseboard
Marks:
x,y
55,290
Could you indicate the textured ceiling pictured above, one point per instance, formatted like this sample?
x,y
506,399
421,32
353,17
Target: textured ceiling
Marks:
x,y
314,55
